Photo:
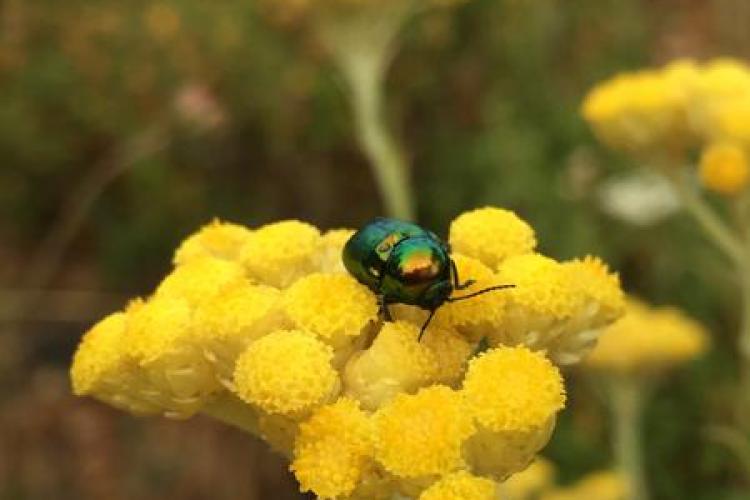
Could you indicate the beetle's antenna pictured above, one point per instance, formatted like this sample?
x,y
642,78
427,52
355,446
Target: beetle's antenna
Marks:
x,y
480,292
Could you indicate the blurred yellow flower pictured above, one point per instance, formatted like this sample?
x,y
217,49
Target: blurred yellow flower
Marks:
x,y
264,329
531,481
461,486
663,111
724,168
602,485
639,112
162,21
648,340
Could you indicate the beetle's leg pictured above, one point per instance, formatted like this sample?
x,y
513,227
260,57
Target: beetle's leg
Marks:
x,y
424,325
457,285
383,308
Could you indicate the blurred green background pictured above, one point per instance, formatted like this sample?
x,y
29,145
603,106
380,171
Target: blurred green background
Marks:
x,y
182,110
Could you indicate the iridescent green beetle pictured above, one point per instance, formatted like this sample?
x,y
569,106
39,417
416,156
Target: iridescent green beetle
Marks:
x,y
404,263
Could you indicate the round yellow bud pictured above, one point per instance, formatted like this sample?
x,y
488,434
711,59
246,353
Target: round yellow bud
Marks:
x,y
286,372
218,239
491,235
98,354
333,306
724,169
513,388
422,434
227,323
333,449
278,254
461,485
201,278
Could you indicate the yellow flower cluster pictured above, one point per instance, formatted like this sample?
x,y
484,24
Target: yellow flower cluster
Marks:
x,y
665,112
264,329
648,340
537,482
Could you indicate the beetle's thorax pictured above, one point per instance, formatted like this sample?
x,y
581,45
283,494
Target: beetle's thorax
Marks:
x,y
418,272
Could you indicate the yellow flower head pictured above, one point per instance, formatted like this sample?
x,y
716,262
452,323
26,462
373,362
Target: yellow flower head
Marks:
x,y
286,372
333,449
333,306
513,388
265,329
529,482
477,316
160,338
102,369
599,288
201,278
599,301
724,168
491,235
238,315
98,354
461,485
277,254
648,340
541,303
217,239
422,434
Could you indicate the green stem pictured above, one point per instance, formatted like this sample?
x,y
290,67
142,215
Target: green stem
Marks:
x,y
626,397
232,411
361,41
716,230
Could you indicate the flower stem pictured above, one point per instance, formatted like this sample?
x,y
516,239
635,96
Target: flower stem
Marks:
x,y
716,230
626,398
362,41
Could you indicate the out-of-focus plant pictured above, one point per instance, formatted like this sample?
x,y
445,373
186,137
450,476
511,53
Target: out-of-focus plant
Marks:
x,y
690,113
263,329
362,38
631,356
537,482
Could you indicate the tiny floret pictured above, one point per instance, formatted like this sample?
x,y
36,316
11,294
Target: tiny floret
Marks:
x,y
287,371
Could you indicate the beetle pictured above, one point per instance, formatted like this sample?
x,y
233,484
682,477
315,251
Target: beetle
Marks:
x,y
404,263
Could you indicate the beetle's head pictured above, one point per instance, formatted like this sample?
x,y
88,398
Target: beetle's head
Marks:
x,y
437,294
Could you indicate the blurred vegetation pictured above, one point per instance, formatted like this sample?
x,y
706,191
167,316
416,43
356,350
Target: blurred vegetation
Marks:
x,y
254,127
